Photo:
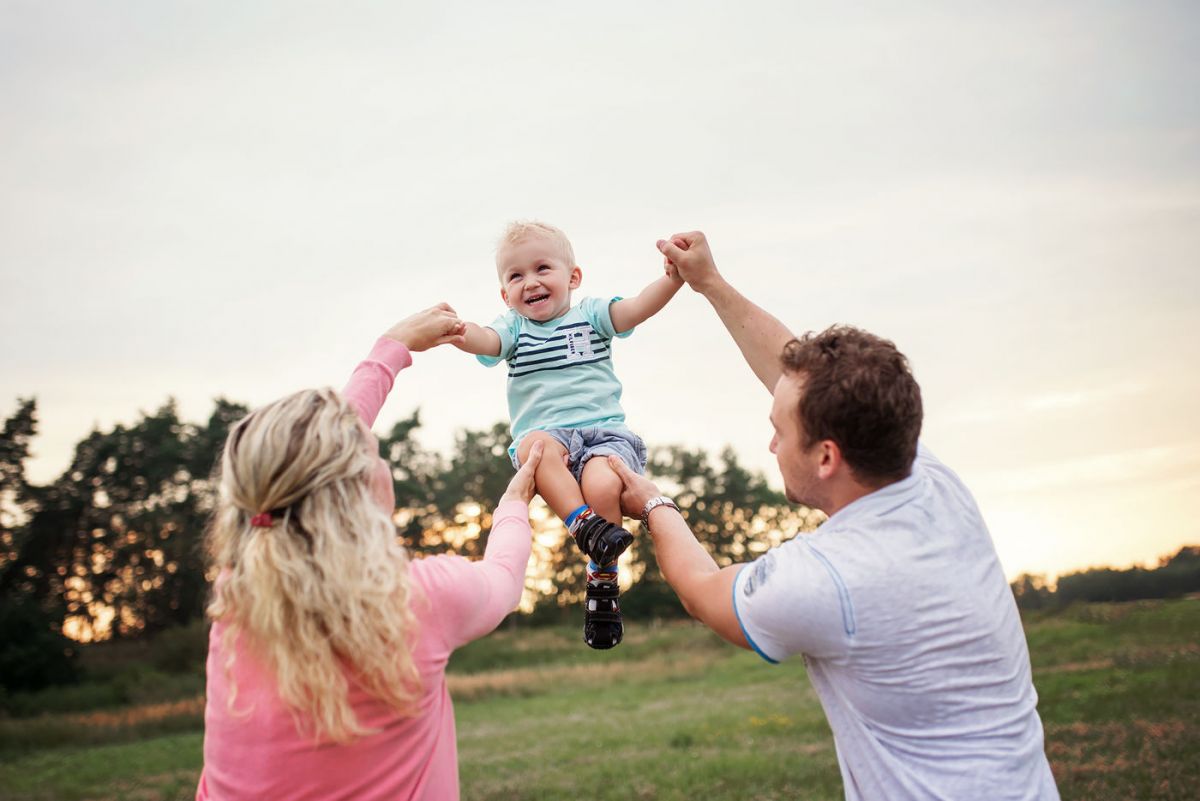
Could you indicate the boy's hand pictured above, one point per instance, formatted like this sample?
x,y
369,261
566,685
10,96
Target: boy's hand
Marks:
x,y
437,325
521,487
692,259
672,271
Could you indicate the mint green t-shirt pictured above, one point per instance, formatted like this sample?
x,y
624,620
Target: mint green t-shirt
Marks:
x,y
560,372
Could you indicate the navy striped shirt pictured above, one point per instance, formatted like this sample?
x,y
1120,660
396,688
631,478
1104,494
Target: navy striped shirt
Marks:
x,y
560,372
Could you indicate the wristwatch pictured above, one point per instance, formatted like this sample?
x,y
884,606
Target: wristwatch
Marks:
x,y
653,504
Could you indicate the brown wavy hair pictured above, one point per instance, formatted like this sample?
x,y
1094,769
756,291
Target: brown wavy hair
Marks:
x,y
859,392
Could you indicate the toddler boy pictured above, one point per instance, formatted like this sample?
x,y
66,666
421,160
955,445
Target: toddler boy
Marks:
x,y
562,391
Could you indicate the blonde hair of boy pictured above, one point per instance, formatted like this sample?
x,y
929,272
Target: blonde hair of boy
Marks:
x,y
523,229
323,592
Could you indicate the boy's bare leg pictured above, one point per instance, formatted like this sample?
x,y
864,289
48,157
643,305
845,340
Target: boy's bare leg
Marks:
x,y
602,489
603,537
554,481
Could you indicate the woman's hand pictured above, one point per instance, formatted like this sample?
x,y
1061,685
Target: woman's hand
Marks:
x,y
522,488
437,325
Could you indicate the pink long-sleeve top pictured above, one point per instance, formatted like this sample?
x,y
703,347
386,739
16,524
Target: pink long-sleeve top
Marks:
x,y
256,752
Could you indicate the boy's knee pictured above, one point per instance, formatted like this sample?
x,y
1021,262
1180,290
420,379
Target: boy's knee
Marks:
x,y
549,444
599,475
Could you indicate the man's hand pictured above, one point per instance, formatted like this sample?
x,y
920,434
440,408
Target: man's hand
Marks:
x,y
669,266
759,336
690,256
521,487
437,325
638,489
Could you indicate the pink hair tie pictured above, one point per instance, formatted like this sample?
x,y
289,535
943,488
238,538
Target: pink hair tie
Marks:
x,y
262,520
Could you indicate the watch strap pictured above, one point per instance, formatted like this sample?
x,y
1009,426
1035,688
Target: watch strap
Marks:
x,y
653,504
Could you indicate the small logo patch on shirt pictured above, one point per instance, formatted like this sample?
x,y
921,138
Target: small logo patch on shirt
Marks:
x,y
579,343
760,571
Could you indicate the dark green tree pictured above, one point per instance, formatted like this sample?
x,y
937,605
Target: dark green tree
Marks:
x,y
1032,592
731,510
416,481
33,652
16,501
118,534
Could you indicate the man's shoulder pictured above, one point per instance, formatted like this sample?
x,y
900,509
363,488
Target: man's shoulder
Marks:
x,y
931,494
932,466
816,555
950,498
794,599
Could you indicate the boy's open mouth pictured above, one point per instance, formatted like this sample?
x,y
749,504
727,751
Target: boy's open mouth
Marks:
x,y
534,300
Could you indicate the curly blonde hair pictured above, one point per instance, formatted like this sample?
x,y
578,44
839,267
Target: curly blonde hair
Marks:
x,y
519,230
322,594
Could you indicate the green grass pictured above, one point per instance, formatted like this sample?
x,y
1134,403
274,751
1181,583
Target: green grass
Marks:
x,y
161,768
675,714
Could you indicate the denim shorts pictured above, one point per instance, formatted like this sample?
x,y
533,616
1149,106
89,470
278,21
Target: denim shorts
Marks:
x,y
584,443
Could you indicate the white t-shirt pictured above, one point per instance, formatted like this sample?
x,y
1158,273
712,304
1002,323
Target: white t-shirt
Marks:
x,y
912,641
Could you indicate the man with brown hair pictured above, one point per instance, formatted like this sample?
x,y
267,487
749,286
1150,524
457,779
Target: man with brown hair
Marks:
x,y
897,602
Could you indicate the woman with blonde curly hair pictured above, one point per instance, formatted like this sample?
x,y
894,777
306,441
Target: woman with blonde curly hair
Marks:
x,y
328,649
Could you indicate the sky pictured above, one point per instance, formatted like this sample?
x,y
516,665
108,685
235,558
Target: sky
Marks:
x,y
202,199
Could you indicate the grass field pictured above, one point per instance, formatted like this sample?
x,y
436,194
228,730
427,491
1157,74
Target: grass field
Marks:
x,y
682,716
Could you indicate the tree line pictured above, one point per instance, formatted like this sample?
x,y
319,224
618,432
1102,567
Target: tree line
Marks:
x,y
112,548
1175,576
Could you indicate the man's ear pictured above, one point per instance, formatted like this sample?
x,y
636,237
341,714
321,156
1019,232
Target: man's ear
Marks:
x,y
830,459
576,277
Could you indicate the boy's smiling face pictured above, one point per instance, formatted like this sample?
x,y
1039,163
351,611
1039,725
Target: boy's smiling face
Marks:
x,y
536,278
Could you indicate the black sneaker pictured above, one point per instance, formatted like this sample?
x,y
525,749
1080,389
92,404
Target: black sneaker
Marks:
x,y
602,611
601,540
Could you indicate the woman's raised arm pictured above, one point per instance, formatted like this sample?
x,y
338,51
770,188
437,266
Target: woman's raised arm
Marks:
x,y
373,378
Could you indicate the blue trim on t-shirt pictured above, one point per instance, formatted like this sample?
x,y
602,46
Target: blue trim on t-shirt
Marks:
x,y
749,640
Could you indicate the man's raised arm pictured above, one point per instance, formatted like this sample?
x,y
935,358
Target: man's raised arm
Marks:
x,y
759,335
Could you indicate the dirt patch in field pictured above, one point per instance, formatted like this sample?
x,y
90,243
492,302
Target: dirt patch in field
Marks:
x,y
140,714
1135,759
1074,667
1130,658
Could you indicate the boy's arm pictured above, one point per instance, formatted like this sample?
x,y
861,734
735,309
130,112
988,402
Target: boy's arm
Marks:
x,y
629,312
480,340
